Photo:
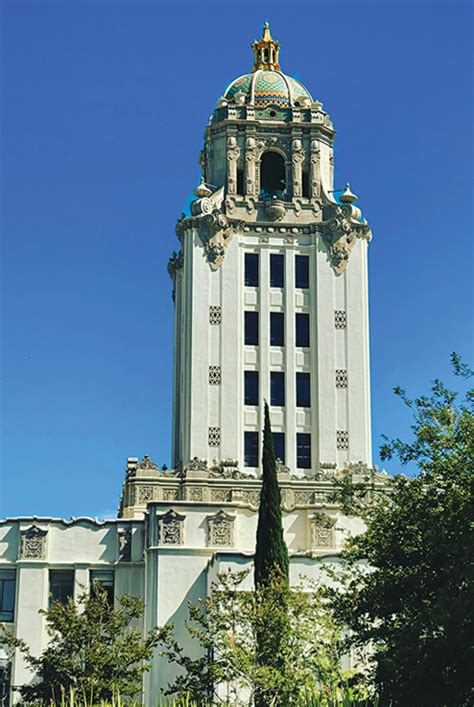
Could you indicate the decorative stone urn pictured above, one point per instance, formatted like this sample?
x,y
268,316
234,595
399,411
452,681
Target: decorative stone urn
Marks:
x,y
275,209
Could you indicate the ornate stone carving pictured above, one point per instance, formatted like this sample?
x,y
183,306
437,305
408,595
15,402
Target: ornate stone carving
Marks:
x,y
322,530
212,224
194,493
303,498
250,162
275,209
315,169
144,494
124,544
233,154
147,463
252,497
33,543
221,495
221,529
297,159
170,494
196,464
171,528
341,228
175,263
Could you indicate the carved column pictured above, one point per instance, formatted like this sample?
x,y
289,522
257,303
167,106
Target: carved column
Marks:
x,y
233,153
315,170
250,162
297,158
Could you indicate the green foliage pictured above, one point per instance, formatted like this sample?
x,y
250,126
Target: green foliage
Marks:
x,y
93,650
271,552
415,605
227,625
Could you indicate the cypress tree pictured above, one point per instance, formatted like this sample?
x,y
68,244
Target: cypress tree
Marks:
x,y
271,553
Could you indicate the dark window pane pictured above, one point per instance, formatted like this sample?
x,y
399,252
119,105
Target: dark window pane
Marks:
x,y
106,580
251,448
277,270
303,390
251,269
302,329
251,328
302,271
240,182
251,387
303,450
279,445
61,585
277,329
277,388
272,176
7,594
305,180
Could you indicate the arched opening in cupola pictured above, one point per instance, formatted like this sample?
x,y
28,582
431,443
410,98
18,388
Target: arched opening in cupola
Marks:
x,y
272,175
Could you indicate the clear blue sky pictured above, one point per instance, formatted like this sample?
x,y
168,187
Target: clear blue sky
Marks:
x,y
103,114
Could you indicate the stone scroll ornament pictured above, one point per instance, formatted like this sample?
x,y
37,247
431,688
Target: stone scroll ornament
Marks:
x,y
33,543
341,227
171,528
322,531
207,215
221,529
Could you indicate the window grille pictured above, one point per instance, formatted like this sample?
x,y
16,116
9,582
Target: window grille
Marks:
x,y
340,319
214,375
215,314
341,378
214,436
342,439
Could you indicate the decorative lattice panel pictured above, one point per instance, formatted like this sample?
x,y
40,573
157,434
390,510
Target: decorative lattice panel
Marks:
x,y
214,375
215,314
214,436
340,319
342,439
341,378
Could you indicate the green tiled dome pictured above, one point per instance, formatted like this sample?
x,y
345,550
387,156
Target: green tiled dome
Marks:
x,y
262,88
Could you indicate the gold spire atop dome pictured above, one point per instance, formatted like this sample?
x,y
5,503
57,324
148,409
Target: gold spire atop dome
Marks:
x,y
266,51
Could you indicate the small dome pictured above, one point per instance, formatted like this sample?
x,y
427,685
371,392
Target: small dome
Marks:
x,y
264,87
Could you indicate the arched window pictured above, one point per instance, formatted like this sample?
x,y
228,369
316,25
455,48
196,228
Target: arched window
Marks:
x,y
272,175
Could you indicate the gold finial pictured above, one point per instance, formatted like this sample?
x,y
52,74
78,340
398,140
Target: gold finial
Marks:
x,y
266,51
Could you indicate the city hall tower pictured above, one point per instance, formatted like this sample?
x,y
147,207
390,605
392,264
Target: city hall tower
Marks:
x,y
270,286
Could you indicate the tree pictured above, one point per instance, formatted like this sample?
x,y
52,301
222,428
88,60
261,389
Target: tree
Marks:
x,y
226,625
93,650
414,607
271,552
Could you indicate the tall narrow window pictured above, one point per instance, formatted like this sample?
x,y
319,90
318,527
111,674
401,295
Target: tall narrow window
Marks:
x,y
7,595
305,183
303,390
251,328
251,269
61,585
251,448
302,271
277,388
240,182
302,329
277,270
105,578
251,387
272,176
303,450
277,329
279,445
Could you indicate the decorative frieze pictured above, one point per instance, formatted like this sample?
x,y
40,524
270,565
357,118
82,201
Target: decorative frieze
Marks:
x,y
303,498
144,494
252,497
194,493
33,543
170,494
221,529
171,529
221,495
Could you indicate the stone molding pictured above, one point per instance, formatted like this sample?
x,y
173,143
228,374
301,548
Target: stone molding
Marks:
x,y
33,543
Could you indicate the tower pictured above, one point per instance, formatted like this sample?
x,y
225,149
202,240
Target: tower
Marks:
x,y
270,286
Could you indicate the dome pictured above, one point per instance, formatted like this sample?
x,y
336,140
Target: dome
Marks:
x,y
264,87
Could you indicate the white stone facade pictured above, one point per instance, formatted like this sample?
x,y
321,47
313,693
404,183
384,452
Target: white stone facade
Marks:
x,y
177,528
